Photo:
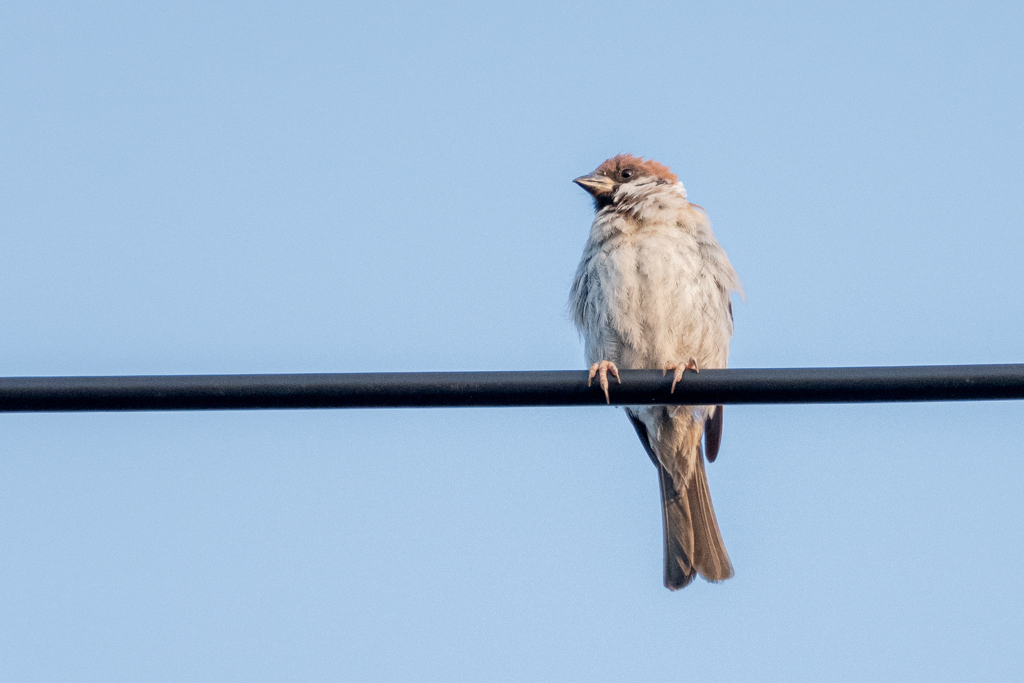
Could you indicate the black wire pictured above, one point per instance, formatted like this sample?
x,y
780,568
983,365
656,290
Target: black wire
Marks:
x,y
506,389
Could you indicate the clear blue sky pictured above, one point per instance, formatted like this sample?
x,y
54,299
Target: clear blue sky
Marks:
x,y
318,187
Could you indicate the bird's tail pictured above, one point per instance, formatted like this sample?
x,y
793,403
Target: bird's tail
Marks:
x,y
693,543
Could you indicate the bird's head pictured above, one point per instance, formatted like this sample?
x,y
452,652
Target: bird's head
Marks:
x,y
624,176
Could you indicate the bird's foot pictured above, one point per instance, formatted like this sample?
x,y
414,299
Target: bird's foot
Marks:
x,y
679,369
601,371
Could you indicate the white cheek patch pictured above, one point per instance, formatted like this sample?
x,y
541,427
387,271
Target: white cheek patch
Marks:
x,y
647,187
649,199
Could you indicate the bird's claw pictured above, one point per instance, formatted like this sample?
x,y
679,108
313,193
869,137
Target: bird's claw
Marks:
x,y
679,369
601,370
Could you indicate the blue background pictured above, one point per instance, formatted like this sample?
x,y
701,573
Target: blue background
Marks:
x,y
318,187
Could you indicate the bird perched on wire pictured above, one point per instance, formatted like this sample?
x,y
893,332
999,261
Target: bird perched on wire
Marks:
x,y
653,290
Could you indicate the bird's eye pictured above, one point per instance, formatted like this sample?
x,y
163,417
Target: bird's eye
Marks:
x,y
627,173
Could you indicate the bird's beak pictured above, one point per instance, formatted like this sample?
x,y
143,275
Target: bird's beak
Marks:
x,y
596,184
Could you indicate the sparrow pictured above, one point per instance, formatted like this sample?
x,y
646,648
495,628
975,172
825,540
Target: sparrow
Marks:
x,y
653,290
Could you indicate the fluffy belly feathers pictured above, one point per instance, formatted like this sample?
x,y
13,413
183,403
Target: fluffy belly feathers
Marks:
x,y
656,304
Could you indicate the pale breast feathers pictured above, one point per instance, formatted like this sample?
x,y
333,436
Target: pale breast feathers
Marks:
x,y
656,294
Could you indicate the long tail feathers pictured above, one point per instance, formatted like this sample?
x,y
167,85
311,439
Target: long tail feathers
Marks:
x,y
710,556
678,528
693,543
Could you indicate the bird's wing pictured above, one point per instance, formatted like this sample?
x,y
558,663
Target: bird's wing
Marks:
x,y
713,433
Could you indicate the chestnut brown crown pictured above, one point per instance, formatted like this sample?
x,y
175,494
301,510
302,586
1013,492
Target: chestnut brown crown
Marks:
x,y
625,167
620,170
